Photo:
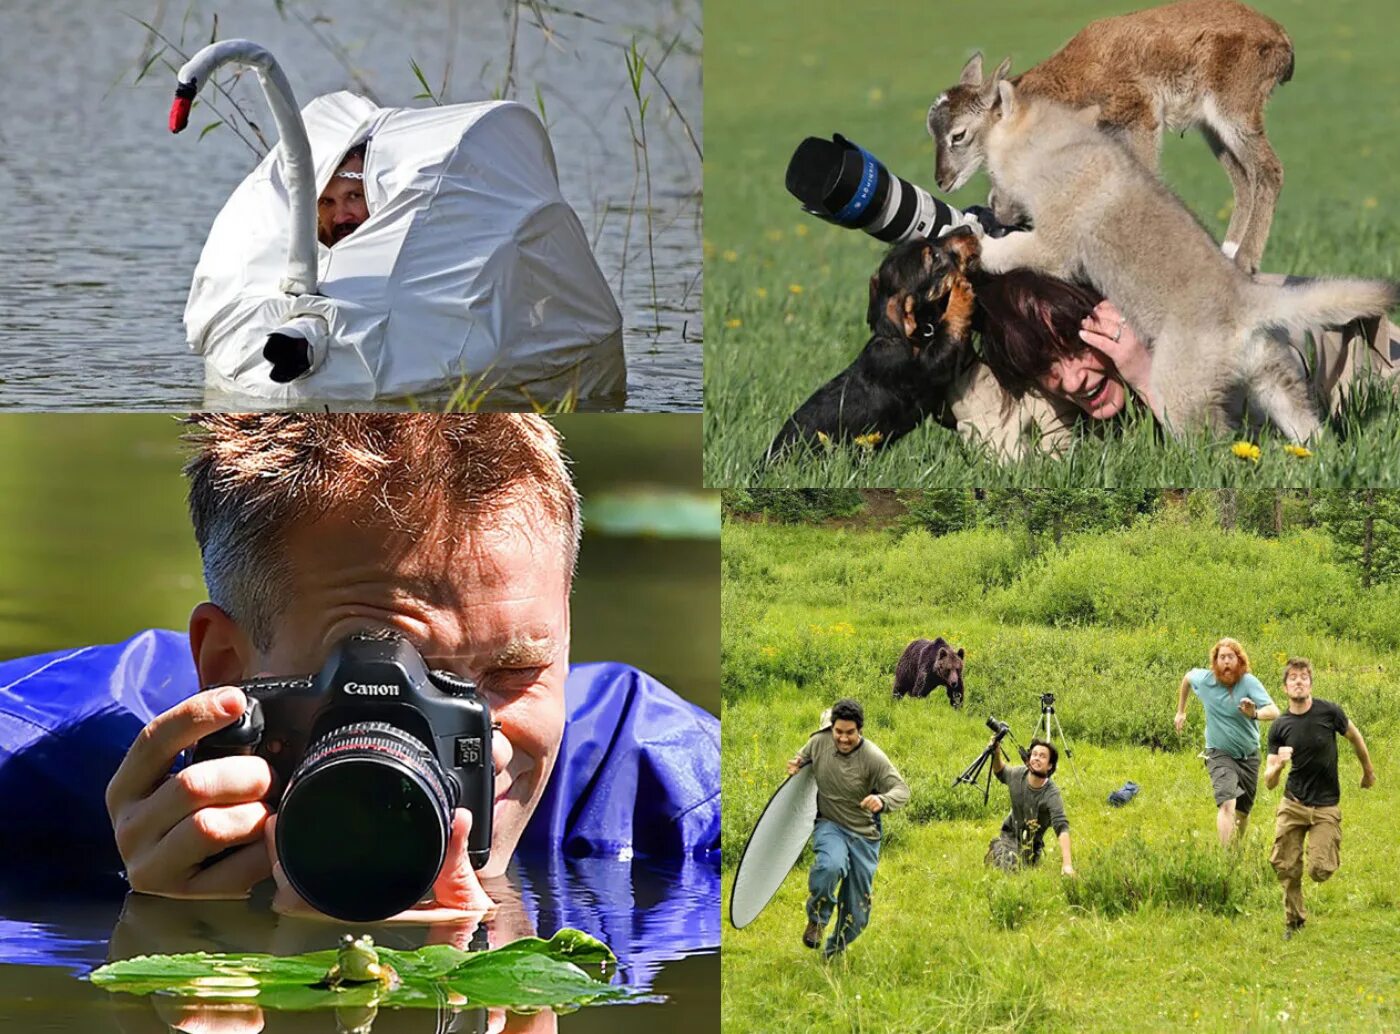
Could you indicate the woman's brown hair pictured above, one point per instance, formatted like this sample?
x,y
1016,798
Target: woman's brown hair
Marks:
x,y
1028,320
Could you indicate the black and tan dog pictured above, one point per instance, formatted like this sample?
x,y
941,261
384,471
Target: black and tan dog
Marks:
x,y
920,316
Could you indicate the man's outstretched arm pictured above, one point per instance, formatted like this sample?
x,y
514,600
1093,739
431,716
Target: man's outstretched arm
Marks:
x,y
1368,774
1183,694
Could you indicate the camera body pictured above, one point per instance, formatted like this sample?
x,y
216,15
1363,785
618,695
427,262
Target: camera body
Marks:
x,y
1000,728
369,756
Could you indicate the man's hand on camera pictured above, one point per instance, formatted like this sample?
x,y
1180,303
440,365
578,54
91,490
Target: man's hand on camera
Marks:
x,y
167,825
1180,721
457,892
873,804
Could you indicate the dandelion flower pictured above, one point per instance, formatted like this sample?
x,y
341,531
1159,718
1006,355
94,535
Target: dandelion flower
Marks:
x,y
1246,451
730,255
1298,450
825,439
1370,202
734,324
795,288
762,292
869,441
774,235
801,228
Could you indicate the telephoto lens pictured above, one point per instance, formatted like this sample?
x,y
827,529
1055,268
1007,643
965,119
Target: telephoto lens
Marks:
x,y
364,824
1000,728
843,183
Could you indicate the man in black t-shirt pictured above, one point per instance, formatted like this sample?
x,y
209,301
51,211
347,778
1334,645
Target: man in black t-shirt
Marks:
x,y
1306,735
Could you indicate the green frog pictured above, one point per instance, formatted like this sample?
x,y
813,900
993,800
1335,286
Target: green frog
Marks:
x,y
358,963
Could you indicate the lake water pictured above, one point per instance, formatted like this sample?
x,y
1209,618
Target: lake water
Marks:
x,y
106,211
663,924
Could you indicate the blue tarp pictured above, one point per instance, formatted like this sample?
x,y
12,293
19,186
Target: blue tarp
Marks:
x,y
638,772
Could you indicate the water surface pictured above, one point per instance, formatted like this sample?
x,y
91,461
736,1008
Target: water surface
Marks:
x,y
662,923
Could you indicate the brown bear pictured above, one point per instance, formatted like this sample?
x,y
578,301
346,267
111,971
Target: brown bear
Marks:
x,y
925,664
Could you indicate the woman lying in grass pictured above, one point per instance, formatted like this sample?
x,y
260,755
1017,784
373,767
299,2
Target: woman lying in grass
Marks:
x,y
1054,352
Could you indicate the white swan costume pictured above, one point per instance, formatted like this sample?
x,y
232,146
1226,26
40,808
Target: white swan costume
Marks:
x,y
471,264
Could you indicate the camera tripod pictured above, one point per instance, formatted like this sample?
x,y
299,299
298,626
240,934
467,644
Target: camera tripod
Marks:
x,y
972,774
1049,729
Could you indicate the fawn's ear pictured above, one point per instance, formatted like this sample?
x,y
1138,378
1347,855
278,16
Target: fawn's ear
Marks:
x,y
989,88
972,71
1089,116
1008,98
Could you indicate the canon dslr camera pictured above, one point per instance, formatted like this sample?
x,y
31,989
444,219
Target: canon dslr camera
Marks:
x,y
369,758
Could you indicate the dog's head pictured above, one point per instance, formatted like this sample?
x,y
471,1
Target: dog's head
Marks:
x,y
914,282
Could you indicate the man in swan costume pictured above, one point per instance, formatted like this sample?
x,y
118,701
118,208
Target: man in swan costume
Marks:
x,y
470,266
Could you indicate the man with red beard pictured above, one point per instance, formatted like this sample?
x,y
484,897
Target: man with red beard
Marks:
x,y
1235,702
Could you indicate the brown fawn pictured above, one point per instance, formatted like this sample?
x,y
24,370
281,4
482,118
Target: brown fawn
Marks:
x,y
1206,63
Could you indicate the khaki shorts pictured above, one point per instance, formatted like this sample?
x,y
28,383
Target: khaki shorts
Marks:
x,y
1233,779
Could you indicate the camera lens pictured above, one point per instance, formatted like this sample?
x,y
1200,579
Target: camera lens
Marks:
x,y
843,183
363,827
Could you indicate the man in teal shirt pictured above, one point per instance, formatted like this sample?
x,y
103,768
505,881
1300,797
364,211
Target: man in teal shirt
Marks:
x,y
1235,703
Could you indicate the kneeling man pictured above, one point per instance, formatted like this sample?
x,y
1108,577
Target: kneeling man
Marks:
x,y
1035,807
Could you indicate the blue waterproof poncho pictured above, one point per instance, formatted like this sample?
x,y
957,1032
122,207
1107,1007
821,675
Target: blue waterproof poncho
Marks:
x,y
637,775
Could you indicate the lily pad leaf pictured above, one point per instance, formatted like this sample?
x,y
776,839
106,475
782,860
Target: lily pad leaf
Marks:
x,y
528,973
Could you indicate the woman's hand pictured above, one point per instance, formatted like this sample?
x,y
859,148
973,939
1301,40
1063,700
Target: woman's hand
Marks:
x,y
1106,330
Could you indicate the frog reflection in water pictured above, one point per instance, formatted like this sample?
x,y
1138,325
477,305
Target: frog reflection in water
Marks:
x,y
358,963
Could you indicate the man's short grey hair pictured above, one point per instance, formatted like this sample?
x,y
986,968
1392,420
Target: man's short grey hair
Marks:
x,y
252,476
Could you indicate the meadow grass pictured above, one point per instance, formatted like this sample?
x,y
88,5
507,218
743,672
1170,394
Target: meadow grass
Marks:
x,y
1161,930
785,294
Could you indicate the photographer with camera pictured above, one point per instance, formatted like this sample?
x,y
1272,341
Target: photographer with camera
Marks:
x,y
856,785
404,580
1235,703
1035,806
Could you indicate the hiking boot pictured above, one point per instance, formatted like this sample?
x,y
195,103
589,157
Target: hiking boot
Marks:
x,y
812,936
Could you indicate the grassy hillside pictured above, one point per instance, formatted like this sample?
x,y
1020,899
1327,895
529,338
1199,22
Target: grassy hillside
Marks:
x,y
1161,930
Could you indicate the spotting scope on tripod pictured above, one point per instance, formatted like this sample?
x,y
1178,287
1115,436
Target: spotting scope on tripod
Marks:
x,y
1049,729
